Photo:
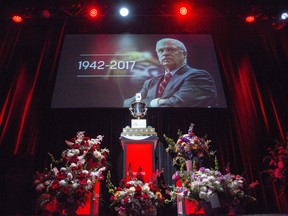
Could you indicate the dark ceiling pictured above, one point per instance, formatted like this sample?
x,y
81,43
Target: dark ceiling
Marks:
x,y
148,13
59,8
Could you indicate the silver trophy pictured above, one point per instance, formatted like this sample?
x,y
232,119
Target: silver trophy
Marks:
x,y
138,108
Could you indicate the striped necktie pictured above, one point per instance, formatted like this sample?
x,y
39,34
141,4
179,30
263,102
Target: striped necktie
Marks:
x,y
163,84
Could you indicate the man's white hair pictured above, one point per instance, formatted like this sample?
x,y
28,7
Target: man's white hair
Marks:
x,y
177,42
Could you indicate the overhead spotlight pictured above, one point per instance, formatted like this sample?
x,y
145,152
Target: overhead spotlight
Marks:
x,y
284,16
17,19
93,12
45,13
250,19
183,10
124,11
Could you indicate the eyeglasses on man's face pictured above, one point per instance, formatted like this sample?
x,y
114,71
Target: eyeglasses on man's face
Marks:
x,y
167,50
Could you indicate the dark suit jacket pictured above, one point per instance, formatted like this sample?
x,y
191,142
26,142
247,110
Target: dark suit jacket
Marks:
x,y
188,87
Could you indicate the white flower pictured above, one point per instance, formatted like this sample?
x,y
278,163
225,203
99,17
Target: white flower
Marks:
x,y
203,189
131,190
146,188
85,172
63,169
122,193
73,152
240,182
100,137
75,185
69,175
203,195
40,186
62,183
72,165
55,170
97,154
203,176
205,181
95,174
211,178
81,159
209,193
48,182
195,185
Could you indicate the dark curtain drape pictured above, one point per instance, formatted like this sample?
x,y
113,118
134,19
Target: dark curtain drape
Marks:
x,y
253,61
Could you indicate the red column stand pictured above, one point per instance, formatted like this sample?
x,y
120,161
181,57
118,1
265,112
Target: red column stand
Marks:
x,y
139,153
186,207
92,206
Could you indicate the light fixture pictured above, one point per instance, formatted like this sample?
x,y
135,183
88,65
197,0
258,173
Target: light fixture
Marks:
x,y
124,11
93,12
45,13
250,19
183,10
284,16
17,18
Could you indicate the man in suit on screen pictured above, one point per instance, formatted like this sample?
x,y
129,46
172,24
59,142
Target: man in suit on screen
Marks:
x,y
180,85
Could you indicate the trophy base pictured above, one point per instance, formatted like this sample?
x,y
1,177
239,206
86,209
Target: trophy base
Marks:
x,y
138,132
138,123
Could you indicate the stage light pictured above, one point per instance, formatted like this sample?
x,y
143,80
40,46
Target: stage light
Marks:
x,y
45,14
284,16
183,10
250,19
124,11
17,19
93,12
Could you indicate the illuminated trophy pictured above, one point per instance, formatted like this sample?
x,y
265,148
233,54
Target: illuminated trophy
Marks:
x,y
138,110
139,127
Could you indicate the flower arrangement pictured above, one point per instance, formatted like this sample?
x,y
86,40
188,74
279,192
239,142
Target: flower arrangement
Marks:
x,y
189,147
277,163
204,183
67,182
134,197
210,185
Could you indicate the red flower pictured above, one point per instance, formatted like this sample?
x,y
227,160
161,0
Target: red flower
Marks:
x,y
65,190
118,189
112,198
122,183
74,159
152,188
128,185
85,143
75,146
61,175
103,160
81,175
138,189
55,185
125,200
83,182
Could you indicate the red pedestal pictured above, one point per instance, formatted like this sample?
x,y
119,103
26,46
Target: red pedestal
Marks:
x,y
139,153
92,206
186,207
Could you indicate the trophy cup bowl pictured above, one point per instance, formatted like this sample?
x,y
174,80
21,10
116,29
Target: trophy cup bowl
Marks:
x,y
138,109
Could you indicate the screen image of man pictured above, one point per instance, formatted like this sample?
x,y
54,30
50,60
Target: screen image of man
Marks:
x,y
180,85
